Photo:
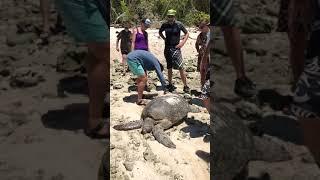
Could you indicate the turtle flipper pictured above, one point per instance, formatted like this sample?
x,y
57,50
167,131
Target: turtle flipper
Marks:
x,y
128,126
162,137
147,126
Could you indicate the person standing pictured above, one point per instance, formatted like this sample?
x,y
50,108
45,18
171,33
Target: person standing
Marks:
x,y
86,23
140,36
173,45
224,14
201,44
125,46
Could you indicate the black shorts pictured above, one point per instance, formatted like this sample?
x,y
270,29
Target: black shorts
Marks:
x,y
173,57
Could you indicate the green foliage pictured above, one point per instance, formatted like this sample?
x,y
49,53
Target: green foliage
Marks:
x,y
195,18
189,12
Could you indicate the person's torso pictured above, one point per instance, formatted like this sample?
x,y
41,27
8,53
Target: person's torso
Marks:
x,y
145,58
202,39
172,32
125,38
141,41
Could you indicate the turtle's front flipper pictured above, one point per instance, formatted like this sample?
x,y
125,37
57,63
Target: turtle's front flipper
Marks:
x,y
147,126
128,126
162,137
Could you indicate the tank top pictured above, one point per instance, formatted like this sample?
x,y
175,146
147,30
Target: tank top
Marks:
x,y
141,42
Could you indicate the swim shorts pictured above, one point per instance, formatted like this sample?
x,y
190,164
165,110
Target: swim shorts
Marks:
x,y
83,20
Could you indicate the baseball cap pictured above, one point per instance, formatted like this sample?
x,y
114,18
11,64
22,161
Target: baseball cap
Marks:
x,y
147,22
171,12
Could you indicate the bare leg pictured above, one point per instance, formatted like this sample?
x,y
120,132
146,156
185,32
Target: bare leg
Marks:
x,y
203,72
98,78
234,48
297,47
44,9
311,132
206,103
170,76
124,60
141,82
183,77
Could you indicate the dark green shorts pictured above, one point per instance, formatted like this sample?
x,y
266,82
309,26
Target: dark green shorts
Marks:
x,y
83,20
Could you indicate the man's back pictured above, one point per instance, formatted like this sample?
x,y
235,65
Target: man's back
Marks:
x,y
148,60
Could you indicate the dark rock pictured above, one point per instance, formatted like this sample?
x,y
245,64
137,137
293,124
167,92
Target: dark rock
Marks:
x,y
15,39
4,72
71,61
248,110
190,69
26,77
118,86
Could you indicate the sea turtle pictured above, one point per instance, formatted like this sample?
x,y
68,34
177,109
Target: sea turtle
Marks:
x,y
158,115
233,146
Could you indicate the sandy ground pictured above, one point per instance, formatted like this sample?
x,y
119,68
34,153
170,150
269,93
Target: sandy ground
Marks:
x,y
131,146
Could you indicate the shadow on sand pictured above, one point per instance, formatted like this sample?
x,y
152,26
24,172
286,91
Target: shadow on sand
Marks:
x,y
195,128
134,97
282,127
72,117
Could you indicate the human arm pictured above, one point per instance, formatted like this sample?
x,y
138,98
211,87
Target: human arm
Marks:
x,y
161,32
186,36
197,43
160,76
204,61
133,38
118,39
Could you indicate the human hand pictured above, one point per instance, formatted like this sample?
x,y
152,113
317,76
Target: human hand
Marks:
x,y
179,46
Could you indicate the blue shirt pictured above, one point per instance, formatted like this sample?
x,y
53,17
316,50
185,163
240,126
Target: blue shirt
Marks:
x,y
149,62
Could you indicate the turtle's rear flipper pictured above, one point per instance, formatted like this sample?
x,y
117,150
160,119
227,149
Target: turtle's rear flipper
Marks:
x,y
128,126
162,137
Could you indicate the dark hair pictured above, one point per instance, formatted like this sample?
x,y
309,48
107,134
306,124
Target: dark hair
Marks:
x,y
143,20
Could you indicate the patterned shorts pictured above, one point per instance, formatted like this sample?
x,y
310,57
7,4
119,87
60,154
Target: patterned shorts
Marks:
x,y
207,87
173,57
224,13
307,93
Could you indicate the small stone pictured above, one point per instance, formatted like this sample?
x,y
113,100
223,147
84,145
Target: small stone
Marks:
x,y
26,77
148,155
15,39
246,109
58,177
128,165
5,72
118,86
190,69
